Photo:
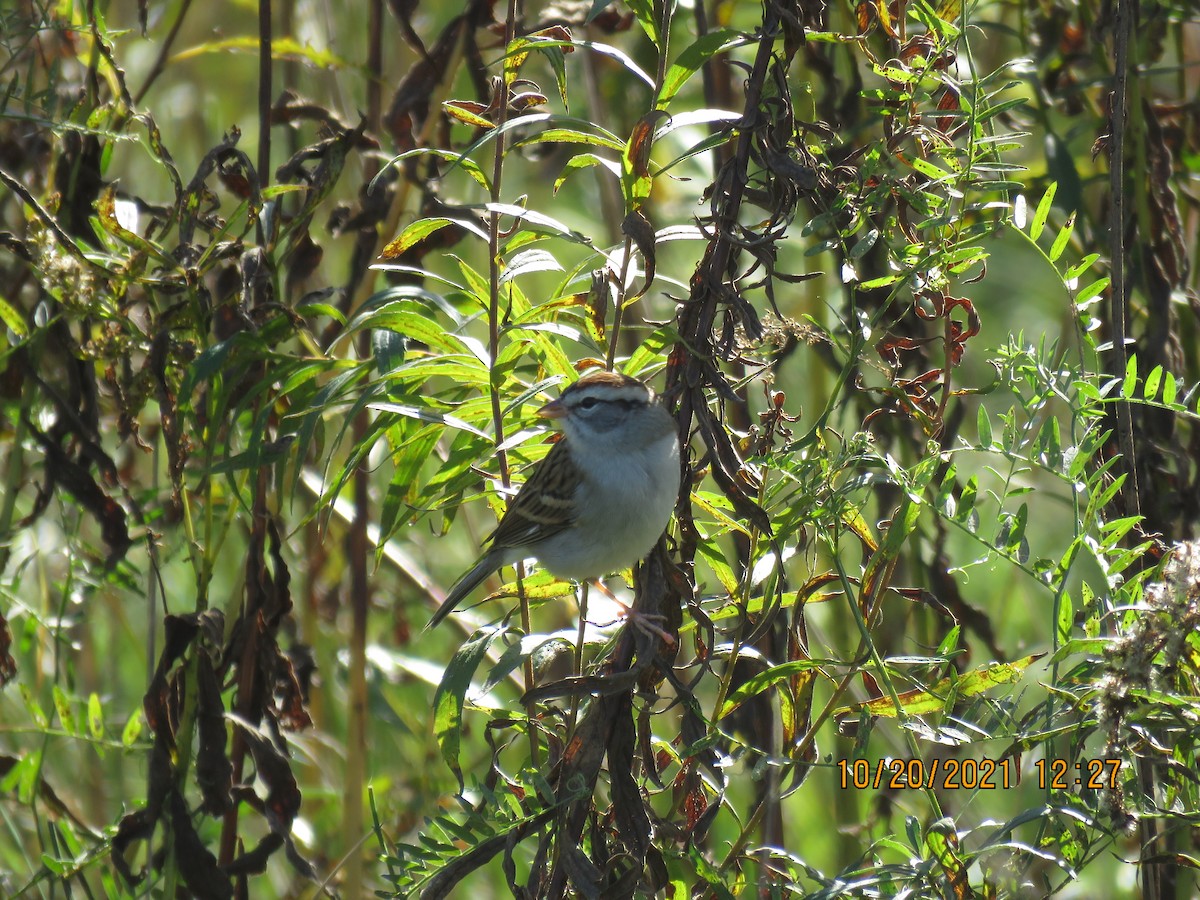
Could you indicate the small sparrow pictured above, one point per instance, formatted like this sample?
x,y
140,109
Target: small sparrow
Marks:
x,y
600,498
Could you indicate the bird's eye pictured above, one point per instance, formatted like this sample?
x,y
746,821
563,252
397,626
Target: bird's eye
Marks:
x,y
588,402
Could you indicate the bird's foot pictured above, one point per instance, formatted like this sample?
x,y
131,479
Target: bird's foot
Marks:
x,y
642,621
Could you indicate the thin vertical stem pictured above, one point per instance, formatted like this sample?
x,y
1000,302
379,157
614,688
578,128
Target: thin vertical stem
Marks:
x,y
503,85
264,103
359,548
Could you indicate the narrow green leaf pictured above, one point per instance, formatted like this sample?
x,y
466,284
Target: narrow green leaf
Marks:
x,y
570,136
966,500
1169,389
1092,290
282,48
925,167
450,698
881,281
949,643
66,715
711,553
388,347
13,319
466,115
586,161
1150,387
56,866
468,165
1066,619
1093,647
922,702
642,9
132,730
425,415
984,426
764,681
1129,385
1043,211
95,716
1061,239
692,58
1082,266
1049,442
417,232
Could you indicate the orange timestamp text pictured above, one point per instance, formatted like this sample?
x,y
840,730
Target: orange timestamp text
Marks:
x,y
942,774
1065,775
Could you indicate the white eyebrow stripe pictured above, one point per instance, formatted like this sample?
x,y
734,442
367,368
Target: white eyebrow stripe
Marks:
x,y
606,393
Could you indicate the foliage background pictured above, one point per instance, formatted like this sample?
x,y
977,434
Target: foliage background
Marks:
x,y
892,269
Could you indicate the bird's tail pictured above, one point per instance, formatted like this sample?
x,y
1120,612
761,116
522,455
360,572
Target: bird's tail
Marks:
x,y
461,588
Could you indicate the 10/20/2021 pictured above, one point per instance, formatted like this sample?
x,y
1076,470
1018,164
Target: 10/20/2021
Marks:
x,y
942,774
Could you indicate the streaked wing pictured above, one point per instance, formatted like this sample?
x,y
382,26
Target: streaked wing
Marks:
x,y
545,505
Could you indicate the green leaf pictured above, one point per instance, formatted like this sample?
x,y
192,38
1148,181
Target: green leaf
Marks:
x,y
586,161
282,48
527,261
425,415
1169,389
764,681
949,642
1092,290
966,501
1066,619
1049,442
1093,647
711,553
1129,385
927,702
66,715
649,353
132,730
33,707
1150,387
388,347
570,136
984,426
881,281
450,698
1082,266
13,319
692,58
925,167
1061,239
421,229
460,112
56,866
1043,211
468,165
642,9
23,776
95,716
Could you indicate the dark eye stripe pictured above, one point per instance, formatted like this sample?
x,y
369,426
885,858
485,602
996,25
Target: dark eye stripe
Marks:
x,y
593,402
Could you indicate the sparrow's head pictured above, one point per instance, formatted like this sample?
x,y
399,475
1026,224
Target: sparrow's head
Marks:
x,y
608,408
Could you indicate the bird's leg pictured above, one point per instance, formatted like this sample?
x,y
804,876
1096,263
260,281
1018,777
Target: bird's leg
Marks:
x,y
640,620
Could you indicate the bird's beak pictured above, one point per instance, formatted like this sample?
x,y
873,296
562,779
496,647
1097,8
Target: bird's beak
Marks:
x,y
553,410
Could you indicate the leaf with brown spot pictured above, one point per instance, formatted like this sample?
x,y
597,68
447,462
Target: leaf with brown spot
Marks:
x,y
636,226
636,159
949,101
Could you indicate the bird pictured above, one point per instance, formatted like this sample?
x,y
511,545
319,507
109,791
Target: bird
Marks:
x,y
600,499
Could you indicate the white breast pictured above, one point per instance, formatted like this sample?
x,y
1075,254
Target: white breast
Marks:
x,y
624,505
